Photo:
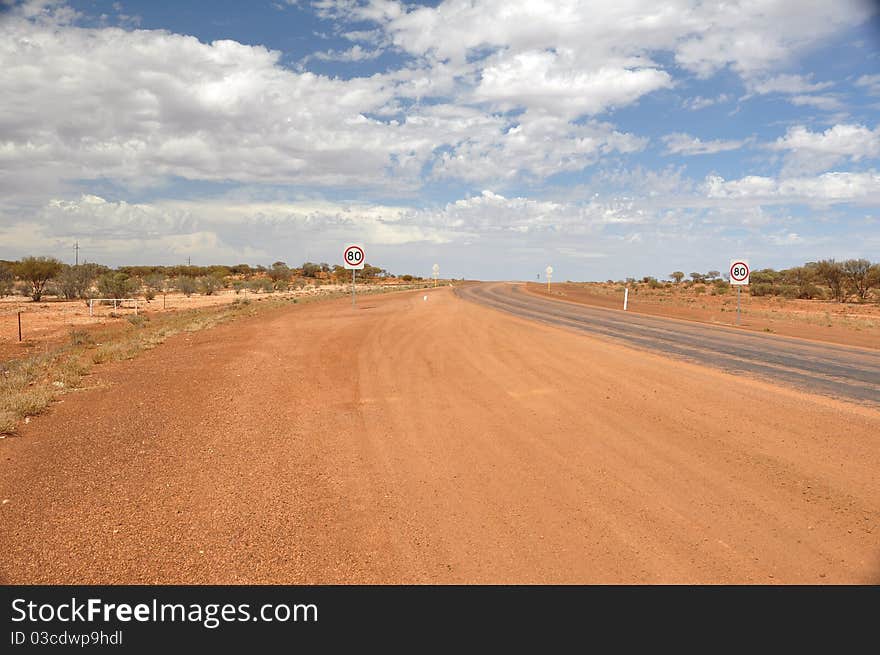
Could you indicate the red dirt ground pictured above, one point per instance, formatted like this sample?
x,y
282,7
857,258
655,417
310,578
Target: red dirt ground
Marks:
x,y
413,440
844,323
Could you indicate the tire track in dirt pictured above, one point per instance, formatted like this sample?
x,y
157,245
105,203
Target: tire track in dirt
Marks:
x,y
838,371
410,440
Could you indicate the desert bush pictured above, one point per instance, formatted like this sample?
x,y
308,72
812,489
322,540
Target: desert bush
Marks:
x,y
7,279
761,289
28,402
802,278
80,338
859,277
138,320
186,285
75,281
37,271
831,273
209,285
69,372
7,422
261,284
309,269
789,291
279,272
699,288
117,285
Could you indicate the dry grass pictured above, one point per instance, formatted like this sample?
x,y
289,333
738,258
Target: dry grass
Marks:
x,y
28,386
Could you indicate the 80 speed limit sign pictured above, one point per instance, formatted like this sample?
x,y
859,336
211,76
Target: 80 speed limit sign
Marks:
x,y
739,272
353,256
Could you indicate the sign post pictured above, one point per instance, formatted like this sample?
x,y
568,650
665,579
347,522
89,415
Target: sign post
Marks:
x,y
436,270
353,258
739,277
549,272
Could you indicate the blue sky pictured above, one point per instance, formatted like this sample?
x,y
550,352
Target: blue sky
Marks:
x,y
608,139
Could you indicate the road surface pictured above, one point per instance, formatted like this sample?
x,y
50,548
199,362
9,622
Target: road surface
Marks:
x,y
435,441
840,371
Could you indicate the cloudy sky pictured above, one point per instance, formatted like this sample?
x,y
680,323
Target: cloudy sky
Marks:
x,y
607,138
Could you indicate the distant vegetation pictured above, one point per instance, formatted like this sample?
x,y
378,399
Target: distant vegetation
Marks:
x,y
37,277
852,280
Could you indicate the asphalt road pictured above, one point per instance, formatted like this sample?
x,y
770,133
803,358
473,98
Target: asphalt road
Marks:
x,y
839,371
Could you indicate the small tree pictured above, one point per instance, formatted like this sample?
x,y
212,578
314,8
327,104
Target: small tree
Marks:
x,y
831,273
209,284
117,285
678,276
309,269
154,283
36,271
279,271
858,276
803,279
697,277
7,279
76,281
186,285
713,275
874,276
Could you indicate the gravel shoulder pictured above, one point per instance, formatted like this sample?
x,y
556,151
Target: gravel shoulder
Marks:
x,y
413,441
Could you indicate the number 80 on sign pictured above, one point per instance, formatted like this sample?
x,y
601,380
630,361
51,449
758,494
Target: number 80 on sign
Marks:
x,y
353,256
739,272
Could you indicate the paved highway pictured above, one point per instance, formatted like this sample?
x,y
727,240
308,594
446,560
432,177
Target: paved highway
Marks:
x,y
840,371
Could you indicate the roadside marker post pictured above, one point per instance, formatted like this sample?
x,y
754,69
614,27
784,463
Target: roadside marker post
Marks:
x,y
19,326
549,272
739,277
353,258
625,297
436,270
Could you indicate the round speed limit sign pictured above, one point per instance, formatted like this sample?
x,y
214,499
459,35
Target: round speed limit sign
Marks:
x,y
353,256
739,271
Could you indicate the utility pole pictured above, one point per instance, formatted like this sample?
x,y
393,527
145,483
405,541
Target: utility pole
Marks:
x,y
76,251
189,261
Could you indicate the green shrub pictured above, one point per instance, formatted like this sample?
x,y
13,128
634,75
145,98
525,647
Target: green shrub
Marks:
x,y
761,289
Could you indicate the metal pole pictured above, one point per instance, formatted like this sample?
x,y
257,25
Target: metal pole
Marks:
x,y
19,326
738,289
352,287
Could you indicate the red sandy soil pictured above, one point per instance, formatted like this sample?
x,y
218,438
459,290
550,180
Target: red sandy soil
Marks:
x,y
47,324
845,323
411,440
